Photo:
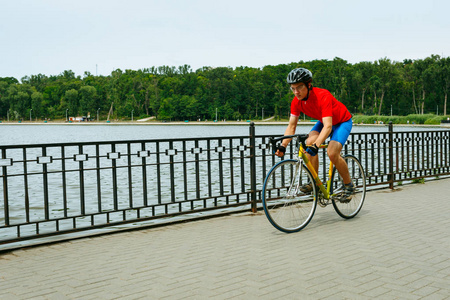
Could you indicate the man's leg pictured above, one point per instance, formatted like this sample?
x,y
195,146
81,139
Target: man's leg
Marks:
x,y
307,187
334,153
312,137
339,138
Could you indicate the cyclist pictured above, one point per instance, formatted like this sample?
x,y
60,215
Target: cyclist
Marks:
x,y
334,120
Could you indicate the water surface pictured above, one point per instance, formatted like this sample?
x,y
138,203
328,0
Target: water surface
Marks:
x,y
20,134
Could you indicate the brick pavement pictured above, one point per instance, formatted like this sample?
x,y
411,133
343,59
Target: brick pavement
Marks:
x,y
397,248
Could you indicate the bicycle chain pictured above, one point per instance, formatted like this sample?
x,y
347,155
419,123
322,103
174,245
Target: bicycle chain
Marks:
x,y
322,201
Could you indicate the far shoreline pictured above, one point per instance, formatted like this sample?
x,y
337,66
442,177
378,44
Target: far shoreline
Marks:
x,y
197,123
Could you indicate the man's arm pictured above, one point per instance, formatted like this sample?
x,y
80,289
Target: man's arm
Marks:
x,y
327,127
290,130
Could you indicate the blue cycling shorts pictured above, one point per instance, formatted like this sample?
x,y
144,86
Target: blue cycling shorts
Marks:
x,y
339,132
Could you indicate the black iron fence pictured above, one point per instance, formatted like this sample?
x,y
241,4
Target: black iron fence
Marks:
x,y
55,189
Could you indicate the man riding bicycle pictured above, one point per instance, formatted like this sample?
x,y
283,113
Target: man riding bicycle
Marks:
x,y
334,120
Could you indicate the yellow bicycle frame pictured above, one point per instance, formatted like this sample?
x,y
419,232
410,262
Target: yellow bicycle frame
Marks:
x,y
319,183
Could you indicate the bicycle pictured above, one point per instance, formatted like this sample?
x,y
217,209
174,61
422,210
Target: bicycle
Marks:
x,y
288,208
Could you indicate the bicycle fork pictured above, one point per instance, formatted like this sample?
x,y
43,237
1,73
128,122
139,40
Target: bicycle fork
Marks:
x,y
294,187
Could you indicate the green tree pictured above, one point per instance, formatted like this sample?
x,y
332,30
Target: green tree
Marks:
x,y
387,75
166,110
22,103
36,104
71,97
362,72
444,74
410,82
87,96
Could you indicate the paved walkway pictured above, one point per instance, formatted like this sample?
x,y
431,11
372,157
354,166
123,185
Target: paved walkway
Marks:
x,y
397,248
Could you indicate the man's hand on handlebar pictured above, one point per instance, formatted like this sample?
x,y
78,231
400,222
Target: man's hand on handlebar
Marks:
x,y
312,150
281,150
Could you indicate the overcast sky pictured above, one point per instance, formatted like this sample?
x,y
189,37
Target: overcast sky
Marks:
x,y
98,36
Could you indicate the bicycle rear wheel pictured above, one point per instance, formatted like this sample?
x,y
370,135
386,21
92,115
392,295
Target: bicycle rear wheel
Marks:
x,y
287,208
349,208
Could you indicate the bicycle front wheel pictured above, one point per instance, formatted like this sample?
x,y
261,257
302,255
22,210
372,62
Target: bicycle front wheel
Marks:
x,y
348,208
285,205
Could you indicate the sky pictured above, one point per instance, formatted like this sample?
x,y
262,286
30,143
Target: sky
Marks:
x,y
99,36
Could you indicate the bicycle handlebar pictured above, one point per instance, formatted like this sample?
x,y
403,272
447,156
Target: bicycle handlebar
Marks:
x,y
301,138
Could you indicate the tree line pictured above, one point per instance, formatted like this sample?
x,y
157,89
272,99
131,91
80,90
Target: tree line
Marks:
x,y
382,87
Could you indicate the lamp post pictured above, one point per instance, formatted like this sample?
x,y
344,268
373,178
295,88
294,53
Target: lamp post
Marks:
x,y
66,114
30,114
97,113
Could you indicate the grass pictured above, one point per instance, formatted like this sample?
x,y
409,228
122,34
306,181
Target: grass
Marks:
x,y
419,180
428,119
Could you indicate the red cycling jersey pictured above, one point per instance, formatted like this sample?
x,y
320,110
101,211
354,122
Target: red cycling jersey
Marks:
x,y
320,104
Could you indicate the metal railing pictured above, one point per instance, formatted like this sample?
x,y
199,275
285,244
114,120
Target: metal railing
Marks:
x,y
55,189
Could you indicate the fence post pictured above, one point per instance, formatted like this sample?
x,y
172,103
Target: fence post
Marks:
x,y
253,167
5,190
391,156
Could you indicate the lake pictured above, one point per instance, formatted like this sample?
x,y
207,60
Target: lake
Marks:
x,y
20,134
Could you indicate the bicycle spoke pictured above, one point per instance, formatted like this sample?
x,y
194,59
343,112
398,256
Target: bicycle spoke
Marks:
x,y
286,207
348,208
